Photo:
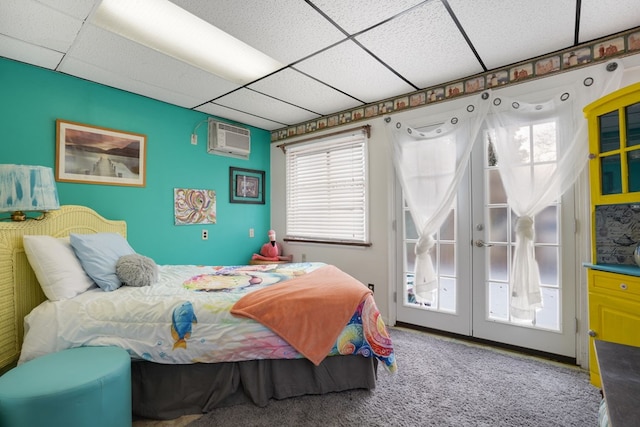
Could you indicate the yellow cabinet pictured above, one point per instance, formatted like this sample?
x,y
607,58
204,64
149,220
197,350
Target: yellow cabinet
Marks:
x,y
614,146
614,170
614,312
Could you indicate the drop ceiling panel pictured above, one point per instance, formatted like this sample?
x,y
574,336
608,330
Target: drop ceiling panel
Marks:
x,y
29,53
286,30
264,106
143,66
296,88
238,116
77,8
38,24
123,82
350,69
600,18
425,54
504,32
353,17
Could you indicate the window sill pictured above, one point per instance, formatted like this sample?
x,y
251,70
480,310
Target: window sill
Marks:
x,y
328,242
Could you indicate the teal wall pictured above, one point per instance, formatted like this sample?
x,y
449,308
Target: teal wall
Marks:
x,y
31,99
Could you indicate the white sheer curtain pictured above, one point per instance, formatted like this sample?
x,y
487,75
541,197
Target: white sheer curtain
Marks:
x,y
429,166
541,149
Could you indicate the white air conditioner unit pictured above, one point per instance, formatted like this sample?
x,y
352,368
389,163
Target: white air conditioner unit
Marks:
x,y
228,140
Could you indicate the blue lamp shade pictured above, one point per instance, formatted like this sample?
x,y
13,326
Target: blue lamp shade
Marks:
x,y
27,188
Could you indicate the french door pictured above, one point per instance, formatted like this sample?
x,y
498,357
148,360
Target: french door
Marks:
x,y
472,259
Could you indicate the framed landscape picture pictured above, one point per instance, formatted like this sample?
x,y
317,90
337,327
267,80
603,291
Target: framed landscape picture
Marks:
x,y
97,155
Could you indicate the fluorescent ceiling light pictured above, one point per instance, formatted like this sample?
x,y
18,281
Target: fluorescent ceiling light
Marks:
x,y
167,28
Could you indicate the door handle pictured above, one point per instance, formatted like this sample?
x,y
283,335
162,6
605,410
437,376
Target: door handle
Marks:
x,y
482,244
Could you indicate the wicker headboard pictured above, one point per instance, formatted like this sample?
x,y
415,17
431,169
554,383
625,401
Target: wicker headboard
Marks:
x,y
20,292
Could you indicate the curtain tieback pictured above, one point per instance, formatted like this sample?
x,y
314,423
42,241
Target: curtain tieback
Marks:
x,y
425,243
524,227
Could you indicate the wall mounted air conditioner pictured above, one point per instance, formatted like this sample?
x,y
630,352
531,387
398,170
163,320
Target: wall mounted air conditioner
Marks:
x,y
228,140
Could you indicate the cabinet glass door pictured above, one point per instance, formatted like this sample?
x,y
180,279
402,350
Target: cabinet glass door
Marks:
x,y
609,132
632,118
610,166
611,174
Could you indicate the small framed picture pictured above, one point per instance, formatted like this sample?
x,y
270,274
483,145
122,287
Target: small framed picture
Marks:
x,y
246,186
96,155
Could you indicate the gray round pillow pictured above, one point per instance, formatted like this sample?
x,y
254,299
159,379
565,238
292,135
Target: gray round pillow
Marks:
x,y
136,270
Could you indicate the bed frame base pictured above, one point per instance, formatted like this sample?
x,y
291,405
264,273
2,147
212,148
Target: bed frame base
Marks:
x,y
171,391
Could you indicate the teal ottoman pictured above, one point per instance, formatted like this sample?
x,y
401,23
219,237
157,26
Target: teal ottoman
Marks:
x,y
80,387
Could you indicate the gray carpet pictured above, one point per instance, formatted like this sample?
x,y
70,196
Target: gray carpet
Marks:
x,y
440,382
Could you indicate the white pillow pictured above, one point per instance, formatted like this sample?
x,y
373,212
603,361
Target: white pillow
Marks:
x,y
57,268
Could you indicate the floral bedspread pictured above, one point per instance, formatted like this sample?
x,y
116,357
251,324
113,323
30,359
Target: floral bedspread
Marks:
x,y
185,318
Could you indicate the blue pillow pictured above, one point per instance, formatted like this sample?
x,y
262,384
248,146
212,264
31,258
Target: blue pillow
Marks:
x,y
98,254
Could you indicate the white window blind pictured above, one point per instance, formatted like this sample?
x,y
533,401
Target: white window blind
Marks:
x,y
327,189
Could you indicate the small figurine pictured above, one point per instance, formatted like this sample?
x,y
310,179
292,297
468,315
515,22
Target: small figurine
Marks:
x,y
271,251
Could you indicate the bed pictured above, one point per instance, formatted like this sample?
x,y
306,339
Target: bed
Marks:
x,y
189,353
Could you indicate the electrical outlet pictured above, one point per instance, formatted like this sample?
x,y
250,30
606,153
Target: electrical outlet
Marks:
x,y
371,286
251,234
205,234
194,139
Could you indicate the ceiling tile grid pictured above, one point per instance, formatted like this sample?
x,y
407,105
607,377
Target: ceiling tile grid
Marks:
x,y
502,33
599,18
341,61
622,44
353,18
291,86
431,50
38,24
79,9
264,106
238,116
350,69
29,53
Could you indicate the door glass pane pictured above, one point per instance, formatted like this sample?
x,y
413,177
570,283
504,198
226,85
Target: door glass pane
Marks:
x,y
633,124
447,291
496,191
549,315
609,132
498,263
410,257
498,224
546,225
544,137
522,137
410,231
447,259
408,285
611,174
547,258
498,303
633,167
492,159
448,229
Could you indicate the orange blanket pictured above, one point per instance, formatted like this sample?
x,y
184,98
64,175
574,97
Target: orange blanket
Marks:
x,y
308,312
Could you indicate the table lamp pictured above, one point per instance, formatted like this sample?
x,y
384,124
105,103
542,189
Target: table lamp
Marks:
x,y
25,188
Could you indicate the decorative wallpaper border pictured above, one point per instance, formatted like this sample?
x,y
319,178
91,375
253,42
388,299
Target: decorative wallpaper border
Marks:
x,y
621,44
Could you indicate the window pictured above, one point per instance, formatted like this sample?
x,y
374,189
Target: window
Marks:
x,y
327,189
